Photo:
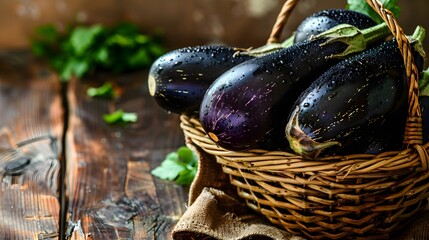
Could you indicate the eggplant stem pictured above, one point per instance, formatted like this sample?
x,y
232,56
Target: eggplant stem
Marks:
x,y
355,39
301,143
375,33
265,49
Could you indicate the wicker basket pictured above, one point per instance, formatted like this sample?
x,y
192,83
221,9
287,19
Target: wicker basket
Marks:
x,y
355,196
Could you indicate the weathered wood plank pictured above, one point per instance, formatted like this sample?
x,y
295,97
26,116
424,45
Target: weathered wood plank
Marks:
x,y
112,193
30,109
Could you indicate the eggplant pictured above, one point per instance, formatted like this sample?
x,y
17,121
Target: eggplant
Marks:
x,y
382,138
379,142
424,105
241,109
326,19
178,79
348,105
424,101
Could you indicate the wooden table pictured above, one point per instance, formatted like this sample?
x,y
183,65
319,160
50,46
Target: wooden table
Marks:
x,y
108,191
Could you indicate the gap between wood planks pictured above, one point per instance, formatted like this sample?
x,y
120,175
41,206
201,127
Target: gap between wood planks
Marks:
x,y
62,191
62,198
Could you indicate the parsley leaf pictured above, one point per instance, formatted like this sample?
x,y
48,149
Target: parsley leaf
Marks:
x,y
119,116
50,37
105,91
179,166
169,169
82,38
363,7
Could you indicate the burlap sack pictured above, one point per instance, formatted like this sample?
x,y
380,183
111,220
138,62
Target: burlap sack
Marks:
x,y
215,211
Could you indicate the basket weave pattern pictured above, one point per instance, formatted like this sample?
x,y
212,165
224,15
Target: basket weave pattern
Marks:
x,y
333,197
359,195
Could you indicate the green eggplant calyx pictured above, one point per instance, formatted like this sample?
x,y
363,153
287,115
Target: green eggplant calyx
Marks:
x,y
265,49
301,143
260,51
355,39
416,40
347,34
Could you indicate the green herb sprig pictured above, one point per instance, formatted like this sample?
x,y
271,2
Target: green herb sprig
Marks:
x,y
363,7
120,117
104,91
84,49
179,166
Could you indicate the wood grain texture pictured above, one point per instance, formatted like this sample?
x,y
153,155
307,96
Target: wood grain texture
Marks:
x,y
30,106
112,194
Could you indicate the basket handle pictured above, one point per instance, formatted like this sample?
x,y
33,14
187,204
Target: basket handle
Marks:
x,y
413,130
283,16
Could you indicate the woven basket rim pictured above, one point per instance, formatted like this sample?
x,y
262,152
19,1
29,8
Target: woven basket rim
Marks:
x,y
410,159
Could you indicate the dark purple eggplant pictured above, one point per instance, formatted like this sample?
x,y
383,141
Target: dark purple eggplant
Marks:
x,y
326,19
178,79
241,109
350,103
424,100
424,105
377,143
383,138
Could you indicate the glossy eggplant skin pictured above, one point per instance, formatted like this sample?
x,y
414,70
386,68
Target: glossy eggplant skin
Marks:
x,y
242,109
326,19
350,102
388,136
424,105
178,79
